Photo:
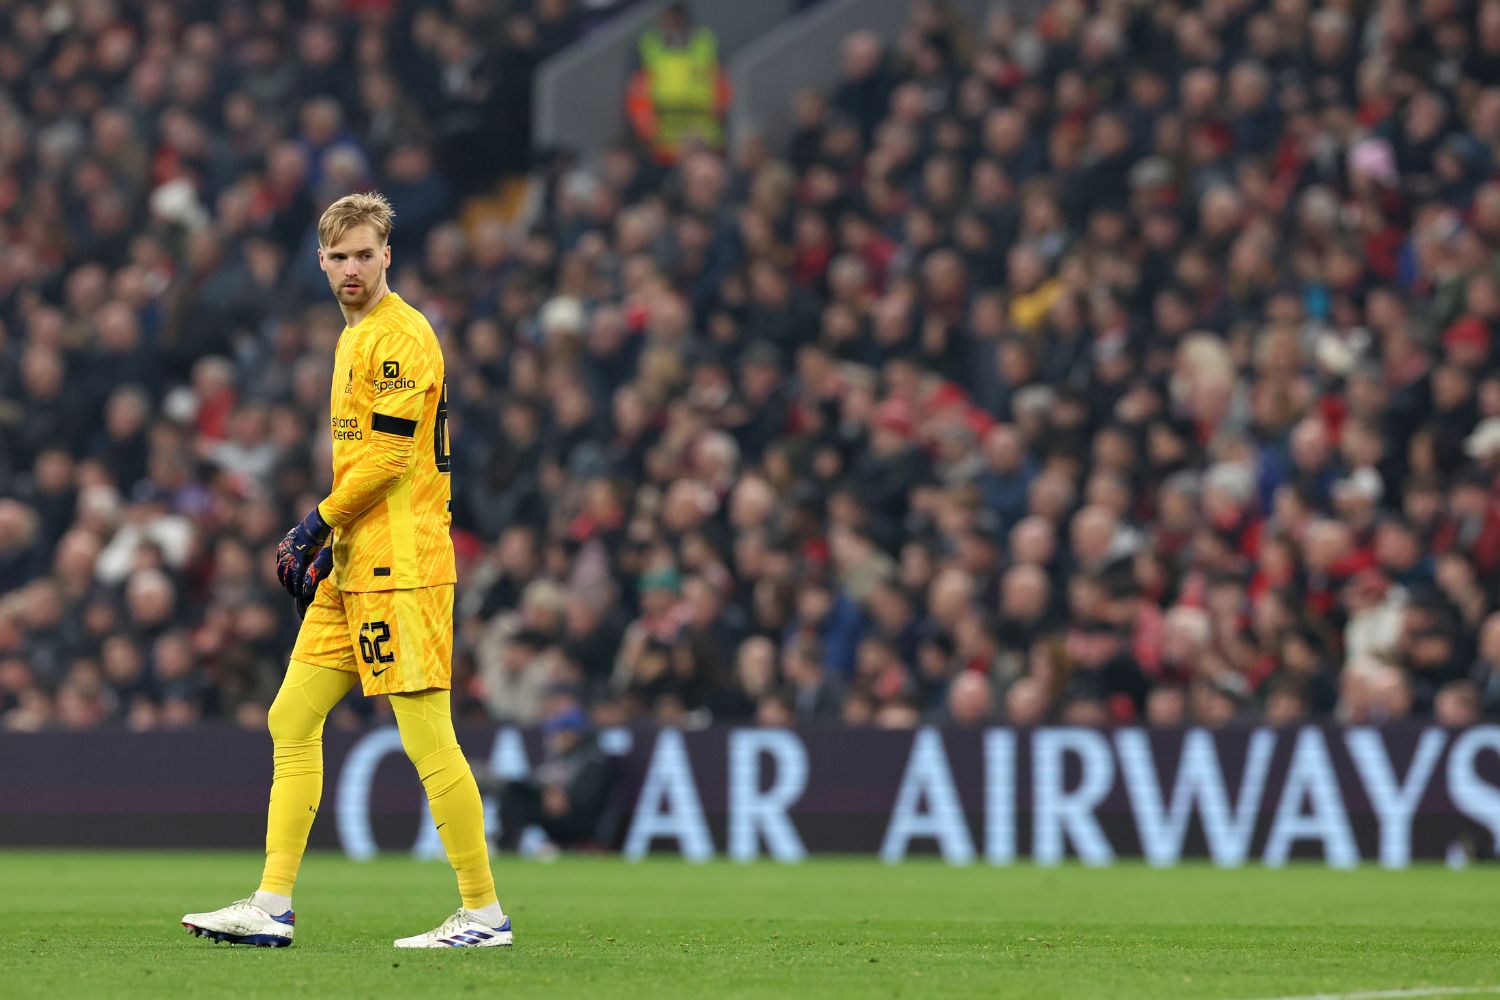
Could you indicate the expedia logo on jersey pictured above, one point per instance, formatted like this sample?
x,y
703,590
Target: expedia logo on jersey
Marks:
x,y
346,429
390,378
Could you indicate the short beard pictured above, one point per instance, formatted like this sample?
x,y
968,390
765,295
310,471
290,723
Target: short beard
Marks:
x,y
362,297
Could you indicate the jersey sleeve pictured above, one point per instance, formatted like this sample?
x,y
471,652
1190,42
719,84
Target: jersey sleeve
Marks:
x,y
402,374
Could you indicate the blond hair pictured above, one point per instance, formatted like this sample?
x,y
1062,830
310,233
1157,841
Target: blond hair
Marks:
x,y
365,209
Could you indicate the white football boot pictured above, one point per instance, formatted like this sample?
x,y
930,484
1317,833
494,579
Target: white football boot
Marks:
x,y
462,930
242,922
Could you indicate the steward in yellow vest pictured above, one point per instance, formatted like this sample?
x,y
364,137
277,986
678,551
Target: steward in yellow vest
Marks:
x,y
680,94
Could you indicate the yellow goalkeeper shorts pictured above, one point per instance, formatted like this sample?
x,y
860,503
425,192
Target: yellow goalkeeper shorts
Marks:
x,y
396,640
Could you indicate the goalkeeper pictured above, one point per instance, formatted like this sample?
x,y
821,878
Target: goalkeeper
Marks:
x,y
371,567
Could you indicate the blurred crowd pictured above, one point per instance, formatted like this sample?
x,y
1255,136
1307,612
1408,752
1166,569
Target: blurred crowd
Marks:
x,y
1136,362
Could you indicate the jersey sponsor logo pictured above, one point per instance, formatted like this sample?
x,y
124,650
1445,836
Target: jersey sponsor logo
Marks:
x,y
346,429
390,378
389,384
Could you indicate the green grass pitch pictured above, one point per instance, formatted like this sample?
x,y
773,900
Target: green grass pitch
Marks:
x,y
75,924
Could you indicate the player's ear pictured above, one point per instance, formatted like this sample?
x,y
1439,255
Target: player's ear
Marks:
x,y
387,255
322,261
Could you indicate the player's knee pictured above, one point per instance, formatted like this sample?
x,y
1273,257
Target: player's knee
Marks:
x,y
442,769
289,721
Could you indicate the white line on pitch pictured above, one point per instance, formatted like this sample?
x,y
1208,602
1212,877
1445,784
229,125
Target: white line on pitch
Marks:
x,y
1428,991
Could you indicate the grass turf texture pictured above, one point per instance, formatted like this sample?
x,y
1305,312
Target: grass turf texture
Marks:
x,y
96,924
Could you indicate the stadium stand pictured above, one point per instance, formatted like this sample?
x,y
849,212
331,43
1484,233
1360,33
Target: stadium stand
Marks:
x,y
1137,362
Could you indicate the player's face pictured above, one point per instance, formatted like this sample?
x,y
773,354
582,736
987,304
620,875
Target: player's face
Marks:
x,y
356,265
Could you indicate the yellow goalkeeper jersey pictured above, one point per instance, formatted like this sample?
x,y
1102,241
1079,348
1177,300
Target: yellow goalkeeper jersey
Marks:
x,y
390,507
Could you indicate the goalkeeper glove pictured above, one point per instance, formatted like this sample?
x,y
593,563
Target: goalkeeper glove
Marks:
x,y
320,570
298,549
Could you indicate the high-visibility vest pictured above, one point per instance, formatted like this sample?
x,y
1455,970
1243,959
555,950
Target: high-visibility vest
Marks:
x,y
683,83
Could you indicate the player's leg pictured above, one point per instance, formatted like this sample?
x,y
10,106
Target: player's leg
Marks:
x,y
408,641
426,723
307,695
321,672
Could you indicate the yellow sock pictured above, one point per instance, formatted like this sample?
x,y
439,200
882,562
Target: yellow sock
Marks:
x,y
308,693
426,723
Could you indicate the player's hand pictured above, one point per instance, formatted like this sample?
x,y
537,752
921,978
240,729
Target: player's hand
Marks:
x,y
298,549
320,569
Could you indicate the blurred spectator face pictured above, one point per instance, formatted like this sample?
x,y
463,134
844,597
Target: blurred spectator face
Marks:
x,y
890,608
1033,541
951,596
1278,561
1286,706
1085,712
1311,448
1198,91
1326,543
1186,636
970,701
1299,655
1004,133
1211,706
1166,706
1397,549
1178,507
860,55
42,373
1003,450
1489,640
583,615
18,526
1026,702
542,606
1051,496
1086,599
1025,593
1431,651
1092,533
1114,450
1422,505
177,712
80,706
802,663
122,662
769,603
774,712
703,600
77,552
703,181
1452,387
126,413
755,666
150,598
857,710
15,675
42,606
1389,695
1457,705
898,715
